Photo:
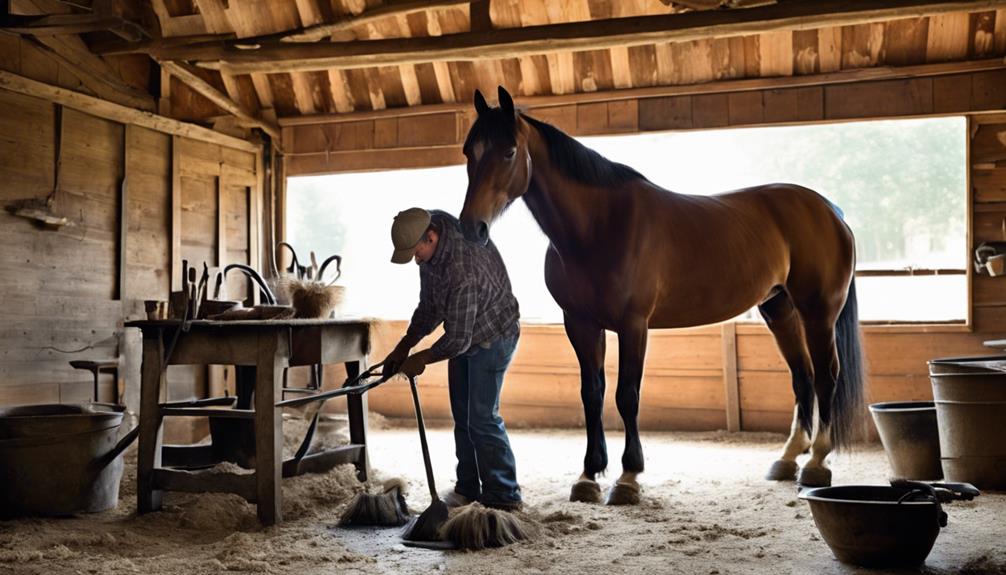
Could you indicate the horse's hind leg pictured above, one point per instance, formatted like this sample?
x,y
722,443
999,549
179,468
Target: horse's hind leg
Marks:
x,y
587,339
784,323
821,343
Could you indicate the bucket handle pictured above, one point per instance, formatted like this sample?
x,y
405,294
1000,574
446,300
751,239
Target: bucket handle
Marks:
x,y
100,462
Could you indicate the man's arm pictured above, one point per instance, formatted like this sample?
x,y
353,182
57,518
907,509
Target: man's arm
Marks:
x,y
459,324
424,320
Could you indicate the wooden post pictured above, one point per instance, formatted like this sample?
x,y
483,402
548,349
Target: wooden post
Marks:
x,y
148,497
215,373
176,213
255,238
730,382
272,358
357,411
124,214
164,102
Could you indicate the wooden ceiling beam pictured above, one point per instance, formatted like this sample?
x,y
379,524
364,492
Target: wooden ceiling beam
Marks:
x,y
117,112
71,52
93,72
185,74
55,24
277,57
720,87
162,47
322,31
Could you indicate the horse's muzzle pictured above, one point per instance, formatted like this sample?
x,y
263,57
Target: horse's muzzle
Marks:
x,y
477,232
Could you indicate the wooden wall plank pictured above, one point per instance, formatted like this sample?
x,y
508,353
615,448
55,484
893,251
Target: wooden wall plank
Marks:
x,y
878,99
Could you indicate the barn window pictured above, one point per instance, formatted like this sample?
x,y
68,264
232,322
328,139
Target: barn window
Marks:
x,y
901,184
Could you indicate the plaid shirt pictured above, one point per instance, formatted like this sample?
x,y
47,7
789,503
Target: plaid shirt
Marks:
x,y
465,286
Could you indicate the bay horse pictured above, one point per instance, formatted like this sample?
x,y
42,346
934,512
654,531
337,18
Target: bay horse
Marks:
x,y
625,255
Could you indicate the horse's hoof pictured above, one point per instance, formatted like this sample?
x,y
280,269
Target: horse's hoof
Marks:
x,y
623,494
585,491
782,470
815,477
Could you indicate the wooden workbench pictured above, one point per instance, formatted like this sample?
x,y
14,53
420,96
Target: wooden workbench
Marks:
x,y
262,349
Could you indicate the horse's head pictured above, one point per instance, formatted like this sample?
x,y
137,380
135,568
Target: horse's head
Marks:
x,y
499,165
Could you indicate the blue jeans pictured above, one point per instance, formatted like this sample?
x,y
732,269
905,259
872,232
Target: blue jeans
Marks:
x,y
486,467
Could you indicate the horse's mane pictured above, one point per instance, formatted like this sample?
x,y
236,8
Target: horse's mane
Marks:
x,y
571,158
579,162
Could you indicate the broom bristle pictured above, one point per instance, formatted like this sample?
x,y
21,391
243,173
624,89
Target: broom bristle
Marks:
x,y
477,527
385,509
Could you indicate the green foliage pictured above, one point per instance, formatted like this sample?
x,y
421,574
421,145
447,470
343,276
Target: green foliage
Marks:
x,y
896,181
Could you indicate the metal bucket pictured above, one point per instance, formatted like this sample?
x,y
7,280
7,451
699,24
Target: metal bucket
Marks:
x,y
970,396
908,430
60,459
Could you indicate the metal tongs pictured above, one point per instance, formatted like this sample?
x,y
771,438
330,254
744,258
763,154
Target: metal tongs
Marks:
x,y
936,493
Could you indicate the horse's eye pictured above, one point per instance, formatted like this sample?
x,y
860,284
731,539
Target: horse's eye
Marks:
x,y
510,153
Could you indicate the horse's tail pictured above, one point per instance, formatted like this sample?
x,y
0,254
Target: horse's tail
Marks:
x,y
847,401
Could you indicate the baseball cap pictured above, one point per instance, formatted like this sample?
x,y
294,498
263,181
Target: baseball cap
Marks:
x,y
406,232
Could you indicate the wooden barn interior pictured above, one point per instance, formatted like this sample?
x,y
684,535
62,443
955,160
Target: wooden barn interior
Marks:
x,y
138,135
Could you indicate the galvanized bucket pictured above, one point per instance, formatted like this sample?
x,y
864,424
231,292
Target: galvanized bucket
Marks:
x,y
60,459
970,396
909,432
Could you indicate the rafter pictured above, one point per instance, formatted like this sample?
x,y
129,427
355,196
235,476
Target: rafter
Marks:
x,y
185,74
276,57
322,31
93,72
54,24
718,87
117,112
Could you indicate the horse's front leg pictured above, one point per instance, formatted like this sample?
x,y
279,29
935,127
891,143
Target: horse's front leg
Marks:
x,y
631,353
588,342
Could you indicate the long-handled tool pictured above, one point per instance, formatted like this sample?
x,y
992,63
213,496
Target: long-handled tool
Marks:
x,y
384,509
425,527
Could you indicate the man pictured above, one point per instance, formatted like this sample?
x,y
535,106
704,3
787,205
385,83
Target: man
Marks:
x,y
464,286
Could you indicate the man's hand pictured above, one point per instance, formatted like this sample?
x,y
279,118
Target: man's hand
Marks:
x,y
416,363
393,363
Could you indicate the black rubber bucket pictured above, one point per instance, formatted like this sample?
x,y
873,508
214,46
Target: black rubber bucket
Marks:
x,y
54,459
911,438
970,397
867,525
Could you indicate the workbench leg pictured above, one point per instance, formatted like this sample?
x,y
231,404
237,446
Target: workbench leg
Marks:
x,y
269,428
151,424
357,408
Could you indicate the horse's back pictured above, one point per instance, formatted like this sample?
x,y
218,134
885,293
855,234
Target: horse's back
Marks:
x,y
727,252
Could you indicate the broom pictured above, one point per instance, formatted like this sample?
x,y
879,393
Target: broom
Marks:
x,y
426,527
384,509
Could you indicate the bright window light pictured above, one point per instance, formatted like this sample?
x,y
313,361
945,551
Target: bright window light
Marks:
x,y
900,183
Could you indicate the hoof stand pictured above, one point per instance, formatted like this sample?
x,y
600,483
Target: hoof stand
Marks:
x,y
585,491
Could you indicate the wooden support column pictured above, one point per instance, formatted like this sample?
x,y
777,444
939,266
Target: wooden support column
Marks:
x,y
148,498
216,381
272,354
176,213
124,214
164,102
728,333
255,222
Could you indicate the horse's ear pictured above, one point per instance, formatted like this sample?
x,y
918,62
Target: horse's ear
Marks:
x,y
506,102
480,103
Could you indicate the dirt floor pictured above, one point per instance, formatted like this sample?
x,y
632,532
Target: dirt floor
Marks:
x,y
705,510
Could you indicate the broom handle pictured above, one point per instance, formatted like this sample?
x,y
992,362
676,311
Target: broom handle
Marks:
x,y
422,440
